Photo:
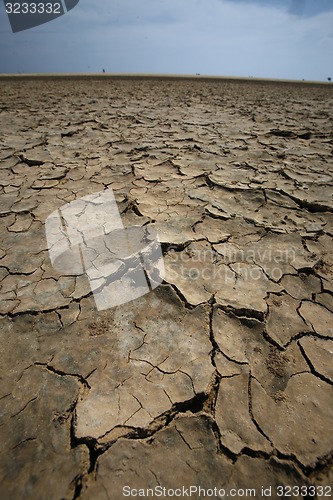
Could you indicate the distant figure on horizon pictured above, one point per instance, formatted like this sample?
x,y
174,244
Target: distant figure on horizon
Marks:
x,y
103,70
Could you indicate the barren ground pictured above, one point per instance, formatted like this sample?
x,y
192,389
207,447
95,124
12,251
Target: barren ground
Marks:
x,y
222,376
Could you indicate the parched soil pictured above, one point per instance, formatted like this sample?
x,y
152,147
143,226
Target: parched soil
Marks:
x,y
222,376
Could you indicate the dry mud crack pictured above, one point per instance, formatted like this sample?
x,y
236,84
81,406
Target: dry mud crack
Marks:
x,y
222,376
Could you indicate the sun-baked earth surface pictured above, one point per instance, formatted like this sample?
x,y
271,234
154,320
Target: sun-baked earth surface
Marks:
x,y
222,376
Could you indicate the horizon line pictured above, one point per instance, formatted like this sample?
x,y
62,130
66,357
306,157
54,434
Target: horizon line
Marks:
x,y
161,75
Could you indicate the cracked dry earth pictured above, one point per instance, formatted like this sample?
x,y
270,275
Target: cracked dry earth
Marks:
x,y
222,376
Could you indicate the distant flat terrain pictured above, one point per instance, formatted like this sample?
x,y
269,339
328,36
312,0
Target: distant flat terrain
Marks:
x,y
158,76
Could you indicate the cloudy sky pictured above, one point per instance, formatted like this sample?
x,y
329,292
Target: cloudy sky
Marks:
x,y
260,38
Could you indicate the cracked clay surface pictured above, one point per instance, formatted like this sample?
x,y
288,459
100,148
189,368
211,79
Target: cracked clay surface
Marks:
x,y
222,376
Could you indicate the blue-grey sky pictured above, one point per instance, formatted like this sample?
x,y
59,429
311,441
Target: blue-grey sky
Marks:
x,y
260,38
